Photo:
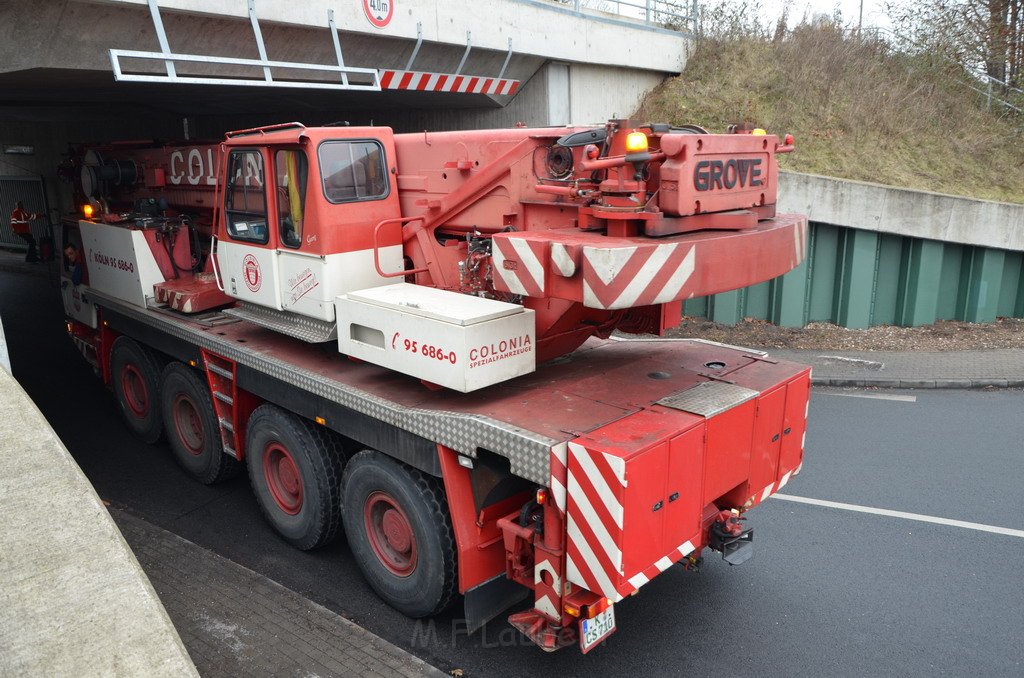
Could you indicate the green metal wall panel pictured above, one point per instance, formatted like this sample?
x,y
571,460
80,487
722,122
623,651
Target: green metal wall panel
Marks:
x,y
862,278
725,307
887,280
856,277
757,303
1009,287
791,298
823,270
1018,308
983,285
949,282
919,288
697,307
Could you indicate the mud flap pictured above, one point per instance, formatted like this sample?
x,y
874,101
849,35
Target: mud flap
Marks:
x,y
486,601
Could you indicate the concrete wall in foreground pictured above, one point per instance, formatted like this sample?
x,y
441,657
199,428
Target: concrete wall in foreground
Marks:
x,y
73,599
880,255
5,358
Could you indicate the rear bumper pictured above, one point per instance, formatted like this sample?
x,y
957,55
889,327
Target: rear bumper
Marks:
x,y
642,493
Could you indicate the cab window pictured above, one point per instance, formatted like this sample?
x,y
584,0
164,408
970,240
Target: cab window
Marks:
x,y
292,169
245,200
353,171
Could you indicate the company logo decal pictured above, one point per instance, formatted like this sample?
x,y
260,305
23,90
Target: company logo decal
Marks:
x,y
710,175
251,273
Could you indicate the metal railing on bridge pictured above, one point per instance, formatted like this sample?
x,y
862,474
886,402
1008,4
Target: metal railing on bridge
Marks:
x,y
680,15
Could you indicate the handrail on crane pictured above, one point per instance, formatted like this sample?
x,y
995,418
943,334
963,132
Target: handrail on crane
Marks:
x,y
376,248
264,129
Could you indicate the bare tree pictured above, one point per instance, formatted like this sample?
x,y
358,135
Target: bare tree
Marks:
x,y
980,35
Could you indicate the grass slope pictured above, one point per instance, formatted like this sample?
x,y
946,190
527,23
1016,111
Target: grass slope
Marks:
x,y
857,110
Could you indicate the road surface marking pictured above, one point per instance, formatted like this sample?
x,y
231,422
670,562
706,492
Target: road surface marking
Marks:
x,y
875,396
903,514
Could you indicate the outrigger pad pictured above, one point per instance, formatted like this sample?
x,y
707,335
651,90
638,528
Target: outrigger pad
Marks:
x,y
738,550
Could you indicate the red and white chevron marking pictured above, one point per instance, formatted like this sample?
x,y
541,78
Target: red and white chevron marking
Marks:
x,y
547,596
559,473
777,486
446,82
625,277
772,488
594,527
519,265
641,578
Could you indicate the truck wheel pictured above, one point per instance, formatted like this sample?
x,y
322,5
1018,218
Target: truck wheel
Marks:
x,y
191,425
135,377
295,472
398,526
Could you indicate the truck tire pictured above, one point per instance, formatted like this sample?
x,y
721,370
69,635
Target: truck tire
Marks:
x,y
295,471
135,377
190,422
398,526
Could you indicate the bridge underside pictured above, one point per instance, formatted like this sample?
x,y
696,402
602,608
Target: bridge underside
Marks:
x,y
57,84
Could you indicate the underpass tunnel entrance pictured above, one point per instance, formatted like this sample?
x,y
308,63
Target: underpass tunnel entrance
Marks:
x,y
46,112
51,110
87,73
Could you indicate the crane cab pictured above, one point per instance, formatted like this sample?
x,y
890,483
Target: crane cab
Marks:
x,y
297,215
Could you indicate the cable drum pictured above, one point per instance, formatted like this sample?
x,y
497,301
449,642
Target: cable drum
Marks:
x,y
98,175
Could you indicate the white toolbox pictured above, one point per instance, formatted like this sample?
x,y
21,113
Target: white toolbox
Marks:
x,y
454,340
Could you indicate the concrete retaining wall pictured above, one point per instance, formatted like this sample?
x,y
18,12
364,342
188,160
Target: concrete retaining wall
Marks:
x,y
880,255
903,211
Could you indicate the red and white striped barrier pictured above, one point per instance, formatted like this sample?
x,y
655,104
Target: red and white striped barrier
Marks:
x,y
446,82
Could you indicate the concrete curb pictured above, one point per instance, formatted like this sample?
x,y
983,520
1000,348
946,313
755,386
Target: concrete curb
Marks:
x,y
917,383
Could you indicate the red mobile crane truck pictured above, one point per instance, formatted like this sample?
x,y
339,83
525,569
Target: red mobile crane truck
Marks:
x,y
407,335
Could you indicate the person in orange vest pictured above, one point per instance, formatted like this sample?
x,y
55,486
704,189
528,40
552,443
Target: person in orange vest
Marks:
x,y
19,224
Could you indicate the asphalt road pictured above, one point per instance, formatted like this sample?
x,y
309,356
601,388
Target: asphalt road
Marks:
x,y
829,592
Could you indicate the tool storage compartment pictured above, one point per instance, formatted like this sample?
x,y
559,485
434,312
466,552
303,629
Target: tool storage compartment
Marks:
x,y
446,338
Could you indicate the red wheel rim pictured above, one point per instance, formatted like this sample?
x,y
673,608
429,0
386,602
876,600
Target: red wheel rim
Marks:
x,y
283,478
134,388
188,424
390,533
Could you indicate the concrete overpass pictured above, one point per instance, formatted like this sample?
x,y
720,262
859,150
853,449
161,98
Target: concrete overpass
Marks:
x,y
569,65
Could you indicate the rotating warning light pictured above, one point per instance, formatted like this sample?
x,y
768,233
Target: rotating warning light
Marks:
x,y
88,210
636,142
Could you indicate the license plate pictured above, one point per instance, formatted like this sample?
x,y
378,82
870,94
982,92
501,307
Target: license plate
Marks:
x,y
593,631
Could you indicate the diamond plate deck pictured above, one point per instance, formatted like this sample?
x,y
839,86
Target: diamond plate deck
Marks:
x,y
709,398
292,324
528,452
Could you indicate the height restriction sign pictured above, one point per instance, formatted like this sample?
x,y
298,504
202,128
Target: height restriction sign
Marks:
x,y
379,12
